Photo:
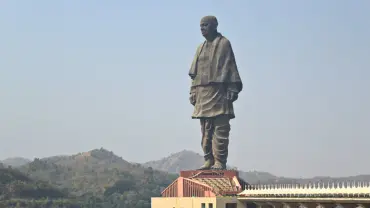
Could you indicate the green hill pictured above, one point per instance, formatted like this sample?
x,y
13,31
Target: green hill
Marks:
x,y
100,175
17,189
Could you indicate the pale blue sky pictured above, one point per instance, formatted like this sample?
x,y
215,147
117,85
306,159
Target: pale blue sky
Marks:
x,y
79,75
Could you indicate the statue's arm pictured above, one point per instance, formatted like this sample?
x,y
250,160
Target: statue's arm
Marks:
x,y
235,84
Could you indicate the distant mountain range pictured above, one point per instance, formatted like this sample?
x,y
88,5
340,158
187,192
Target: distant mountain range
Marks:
x,y
90,172
100,159
174,163
189,160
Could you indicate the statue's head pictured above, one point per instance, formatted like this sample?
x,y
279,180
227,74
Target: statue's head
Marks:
x,y
208,26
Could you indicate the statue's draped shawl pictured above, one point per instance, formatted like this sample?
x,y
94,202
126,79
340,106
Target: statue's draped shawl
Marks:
x,y
223,67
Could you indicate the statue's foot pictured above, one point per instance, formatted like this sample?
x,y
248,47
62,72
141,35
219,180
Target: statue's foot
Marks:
x,y
207,165
218,166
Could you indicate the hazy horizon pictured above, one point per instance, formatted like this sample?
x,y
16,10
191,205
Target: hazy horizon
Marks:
x,y
156,159
76,76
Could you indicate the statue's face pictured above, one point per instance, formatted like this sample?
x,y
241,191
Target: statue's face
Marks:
x,y
206,28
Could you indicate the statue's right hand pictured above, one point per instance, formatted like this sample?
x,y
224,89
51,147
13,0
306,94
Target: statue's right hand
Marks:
x,y
192,98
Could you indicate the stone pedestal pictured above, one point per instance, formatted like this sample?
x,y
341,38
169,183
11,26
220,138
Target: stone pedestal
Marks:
x,y
209,173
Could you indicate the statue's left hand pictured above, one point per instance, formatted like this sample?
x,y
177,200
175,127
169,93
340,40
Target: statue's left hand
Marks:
x,y
231,95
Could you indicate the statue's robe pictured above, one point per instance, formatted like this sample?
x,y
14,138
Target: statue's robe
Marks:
x,y
214,72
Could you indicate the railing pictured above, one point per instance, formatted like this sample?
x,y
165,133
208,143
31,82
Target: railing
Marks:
x,y
359,189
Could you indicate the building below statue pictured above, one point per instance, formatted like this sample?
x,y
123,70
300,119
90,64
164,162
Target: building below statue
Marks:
x,y
202,188
205,183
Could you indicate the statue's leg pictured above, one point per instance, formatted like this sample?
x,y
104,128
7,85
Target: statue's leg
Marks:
x,y
207,132
220,141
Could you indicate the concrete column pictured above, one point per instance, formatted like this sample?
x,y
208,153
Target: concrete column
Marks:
x,y
180,187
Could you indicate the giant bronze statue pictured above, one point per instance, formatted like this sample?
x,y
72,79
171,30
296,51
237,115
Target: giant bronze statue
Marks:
x,y
215,86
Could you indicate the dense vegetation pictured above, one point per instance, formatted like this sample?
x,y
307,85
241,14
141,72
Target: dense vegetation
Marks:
x,y
18,190
94,179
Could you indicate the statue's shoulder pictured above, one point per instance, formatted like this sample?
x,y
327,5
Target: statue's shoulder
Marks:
x,y
199,47
224,40
201,44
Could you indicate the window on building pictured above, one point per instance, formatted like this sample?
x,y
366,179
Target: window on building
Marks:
x,y
210,205
203,205
230,205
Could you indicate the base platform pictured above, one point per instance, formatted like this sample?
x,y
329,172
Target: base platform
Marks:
x,y
209,173
205,183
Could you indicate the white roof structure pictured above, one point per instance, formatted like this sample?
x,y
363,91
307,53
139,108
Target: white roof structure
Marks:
x,y
360,189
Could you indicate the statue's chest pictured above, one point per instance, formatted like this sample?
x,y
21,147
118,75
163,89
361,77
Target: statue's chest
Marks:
x,y
204,59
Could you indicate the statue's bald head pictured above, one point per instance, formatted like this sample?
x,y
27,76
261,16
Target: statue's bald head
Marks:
x,y
209,19
208,26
